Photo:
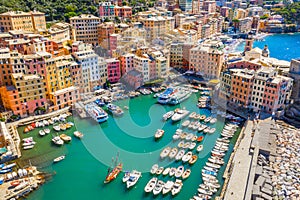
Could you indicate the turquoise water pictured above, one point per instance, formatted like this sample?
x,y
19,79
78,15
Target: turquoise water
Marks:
x,y
281,46
81,174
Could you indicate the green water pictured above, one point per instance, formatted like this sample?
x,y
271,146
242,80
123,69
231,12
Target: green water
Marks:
x,y
81,174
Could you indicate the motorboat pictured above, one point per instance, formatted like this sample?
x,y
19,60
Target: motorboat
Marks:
x,y
179,114
168,115
192,145
154,169
62,127
172,171
28,147
177,186
187,156
164,97
150,185
210,169
209,164
180,154
179,96
200,138
186,145
115,110
159,170
133,178
126,177
180,144
173,153
165,152
212,130
194,138
78,134
168,187
179,171
96,113
159,133
166,171
192,115
183,135
193,159
65,137
185,123
47,130
60,158
213,120
56,128
199,147
189,136
46,123
213,173
56,140
158,187
28,143
202,117
186,173
207,119
42,132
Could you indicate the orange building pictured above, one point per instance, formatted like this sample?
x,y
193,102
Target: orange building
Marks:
x,y
241,87
104,30
18,20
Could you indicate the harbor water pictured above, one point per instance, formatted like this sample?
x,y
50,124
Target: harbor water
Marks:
x,y
81,174
281,46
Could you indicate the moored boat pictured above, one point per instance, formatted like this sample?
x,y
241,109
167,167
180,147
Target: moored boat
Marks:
x,y
133,178
158,187
150,185
193,159
165,152
200,147
42,132
179,171
65,137
186,173
177,187
56,140
168,115
154,169
166,171
78,134
168,187
58,159
113,173
187,156
179,114
159,133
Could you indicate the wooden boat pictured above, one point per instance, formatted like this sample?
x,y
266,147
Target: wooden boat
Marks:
x,y
189,136
150,185
56,128
193,159
180,154
65,137
194,138
62,127
113,172
202,117
42,132
185,123
180,144
200,138
192,145
47,130
56,140
15,183
60,158
187,156
78,134
186,145
186,173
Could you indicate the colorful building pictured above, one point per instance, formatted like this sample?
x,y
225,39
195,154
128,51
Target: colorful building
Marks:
x,y
123,12
113,70
126,63
106,10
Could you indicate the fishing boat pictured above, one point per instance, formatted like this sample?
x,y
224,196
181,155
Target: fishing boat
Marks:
x,y
158,187
113,172
47,130
164,97
115,110
193,159
96,113
168,115
186,173
150,185
65,137
134,177
56,140
179,114
60,158
199,147
78,134
154,169
173,153
159,133
179,171
187,156
166,171
165,152
167,187
177,187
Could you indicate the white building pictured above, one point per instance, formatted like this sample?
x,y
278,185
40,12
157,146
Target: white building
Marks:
x,y
142,64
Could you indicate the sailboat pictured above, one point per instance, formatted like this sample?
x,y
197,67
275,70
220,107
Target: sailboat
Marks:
x,y
113,172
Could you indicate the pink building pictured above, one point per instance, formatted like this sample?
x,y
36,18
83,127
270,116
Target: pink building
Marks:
x,y
126,63
106,10
113,70
244,64
153,71
35,64
133,78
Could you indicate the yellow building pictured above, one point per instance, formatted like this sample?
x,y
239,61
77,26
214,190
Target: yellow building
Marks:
x,y
18,20
155,27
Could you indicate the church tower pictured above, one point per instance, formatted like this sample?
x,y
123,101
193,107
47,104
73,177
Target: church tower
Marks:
x,y
249,44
